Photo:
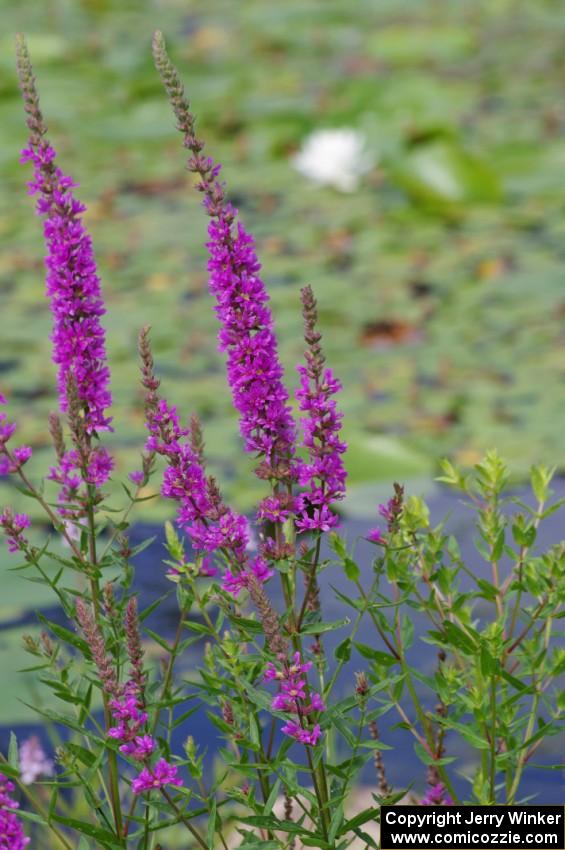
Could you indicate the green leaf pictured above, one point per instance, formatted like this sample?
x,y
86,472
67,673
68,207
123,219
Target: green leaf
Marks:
x,y
319,628
352,571
459,639
342,652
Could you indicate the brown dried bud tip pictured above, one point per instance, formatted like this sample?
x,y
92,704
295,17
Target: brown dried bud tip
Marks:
x,y
198,164
56,431
362,684
268,617
47,644
75,415
383,787
196,437
227,713
31,644
97,646
134,647
34,120
109,601
148,379
314,355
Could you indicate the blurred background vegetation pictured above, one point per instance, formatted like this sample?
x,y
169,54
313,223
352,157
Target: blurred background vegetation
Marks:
x,y
440,280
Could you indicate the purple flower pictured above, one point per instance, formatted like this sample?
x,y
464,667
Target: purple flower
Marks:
x,y
100,465
247,336
11,831
13,525
10,462
208,522
276,508
235,582
436,795
375,535
161,774
294,698
73,286
33,761
22,454
302,735
137,477
7,788
247,333
140,748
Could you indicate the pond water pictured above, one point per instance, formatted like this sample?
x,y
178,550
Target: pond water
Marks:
x,y
547,787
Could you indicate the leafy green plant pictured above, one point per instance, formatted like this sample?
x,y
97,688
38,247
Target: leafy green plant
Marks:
x,y
296,727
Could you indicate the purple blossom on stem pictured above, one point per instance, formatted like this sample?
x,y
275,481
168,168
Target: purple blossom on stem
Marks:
x,y
13,526
131,719
150,778
234,583
11,831
247,337
375,535
73,285
10,461
247,332
210,524
294,698
323,475
436,795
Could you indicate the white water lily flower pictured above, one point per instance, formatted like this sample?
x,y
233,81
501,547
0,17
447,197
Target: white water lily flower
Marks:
x,y
337,158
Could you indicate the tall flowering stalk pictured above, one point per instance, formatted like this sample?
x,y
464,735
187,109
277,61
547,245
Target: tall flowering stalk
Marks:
x,y
323,475
211,525
73,288
247,334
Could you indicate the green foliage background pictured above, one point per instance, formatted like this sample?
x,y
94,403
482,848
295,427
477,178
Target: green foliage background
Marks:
x,y
440,282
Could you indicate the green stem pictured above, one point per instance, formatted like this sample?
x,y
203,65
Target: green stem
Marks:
x,y
95,591
493,741
38,807
193,831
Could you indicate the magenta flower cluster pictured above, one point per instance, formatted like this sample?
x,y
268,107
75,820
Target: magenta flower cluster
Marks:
x,y
10,459
136,743
13,526
210,525
12,836
436,795
323,475
295,698
247,336
73,286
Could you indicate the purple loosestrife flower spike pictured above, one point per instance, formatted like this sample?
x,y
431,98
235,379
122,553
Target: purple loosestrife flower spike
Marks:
x,y
210,524
247,334
323,474
294,698
73,285
11,831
